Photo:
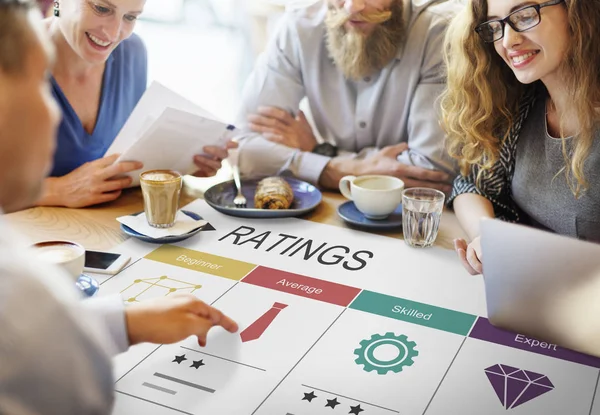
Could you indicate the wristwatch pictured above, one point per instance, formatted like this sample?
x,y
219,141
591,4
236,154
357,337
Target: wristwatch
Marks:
x,y
326,149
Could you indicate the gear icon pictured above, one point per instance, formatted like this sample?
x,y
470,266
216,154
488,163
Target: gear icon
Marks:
x,y
366,353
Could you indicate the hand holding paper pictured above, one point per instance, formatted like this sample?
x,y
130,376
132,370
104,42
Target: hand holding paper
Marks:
x,y
208,163
165,131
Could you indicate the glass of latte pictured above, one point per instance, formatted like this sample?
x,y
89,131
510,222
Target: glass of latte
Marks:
x,y
161,189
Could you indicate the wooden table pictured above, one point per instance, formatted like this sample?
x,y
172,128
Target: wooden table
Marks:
x,y
96,227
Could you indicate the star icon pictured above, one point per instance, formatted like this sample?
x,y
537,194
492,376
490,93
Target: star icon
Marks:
x,y
355,410
198,363
179,359
309,396
332,403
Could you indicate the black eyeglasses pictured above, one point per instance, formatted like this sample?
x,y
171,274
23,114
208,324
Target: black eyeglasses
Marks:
x,y
520,20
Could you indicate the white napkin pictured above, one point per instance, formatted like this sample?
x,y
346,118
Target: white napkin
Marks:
x,y
183,224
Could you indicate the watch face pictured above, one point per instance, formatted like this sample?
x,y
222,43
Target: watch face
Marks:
x,y
325,149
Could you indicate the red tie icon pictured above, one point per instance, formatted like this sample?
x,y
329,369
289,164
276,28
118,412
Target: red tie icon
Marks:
x,y
256,329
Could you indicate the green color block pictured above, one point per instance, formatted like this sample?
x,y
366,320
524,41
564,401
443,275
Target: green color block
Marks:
x,y
413,312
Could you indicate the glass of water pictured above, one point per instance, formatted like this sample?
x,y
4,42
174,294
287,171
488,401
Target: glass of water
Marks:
x,y
421,213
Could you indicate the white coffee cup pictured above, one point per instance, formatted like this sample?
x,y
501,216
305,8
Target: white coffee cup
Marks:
x,y
375,196
68,255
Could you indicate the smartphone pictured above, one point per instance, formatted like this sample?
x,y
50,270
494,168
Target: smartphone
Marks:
x,y
104,262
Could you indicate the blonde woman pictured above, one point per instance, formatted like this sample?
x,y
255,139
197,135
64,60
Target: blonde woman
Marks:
x,y
98,77
521,111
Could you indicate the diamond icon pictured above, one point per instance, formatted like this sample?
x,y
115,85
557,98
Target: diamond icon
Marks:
x,y
515,386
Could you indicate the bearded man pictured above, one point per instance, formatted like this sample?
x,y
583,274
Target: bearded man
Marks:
x,y
371,72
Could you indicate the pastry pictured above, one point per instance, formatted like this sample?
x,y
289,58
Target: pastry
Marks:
x,y
273,193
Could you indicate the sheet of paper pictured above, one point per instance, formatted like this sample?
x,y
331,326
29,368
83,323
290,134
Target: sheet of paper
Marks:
x,y
155,100
173,140
165,131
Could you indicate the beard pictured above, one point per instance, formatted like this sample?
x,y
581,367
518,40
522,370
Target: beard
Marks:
x,y
358,54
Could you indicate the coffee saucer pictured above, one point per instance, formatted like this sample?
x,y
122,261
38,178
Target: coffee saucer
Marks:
x,y
352,215
166,239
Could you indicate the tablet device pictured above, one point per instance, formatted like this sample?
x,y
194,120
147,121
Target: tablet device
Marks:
x,y
542,285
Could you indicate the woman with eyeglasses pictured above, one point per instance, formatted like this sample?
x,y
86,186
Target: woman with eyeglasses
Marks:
x,y
99,75
521,110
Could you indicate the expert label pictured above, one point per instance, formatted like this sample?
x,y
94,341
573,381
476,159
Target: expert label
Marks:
x,y
533,343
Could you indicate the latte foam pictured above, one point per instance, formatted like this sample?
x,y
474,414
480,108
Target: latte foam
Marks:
x,y
58,254
159,177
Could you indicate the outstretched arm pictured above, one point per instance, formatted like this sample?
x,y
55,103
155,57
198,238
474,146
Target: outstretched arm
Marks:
x,y
470,208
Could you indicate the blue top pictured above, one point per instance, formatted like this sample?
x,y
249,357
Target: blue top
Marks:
x,y
124,83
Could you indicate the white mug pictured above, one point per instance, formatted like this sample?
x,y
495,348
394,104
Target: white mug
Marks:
x,y
375,196
68,255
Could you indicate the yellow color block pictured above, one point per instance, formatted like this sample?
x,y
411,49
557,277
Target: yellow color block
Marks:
x,y
202,262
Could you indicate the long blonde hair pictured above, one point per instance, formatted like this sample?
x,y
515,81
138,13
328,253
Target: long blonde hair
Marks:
x,y
482,97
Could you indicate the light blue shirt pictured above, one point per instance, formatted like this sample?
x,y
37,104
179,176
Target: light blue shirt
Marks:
x,y
124,83
396,105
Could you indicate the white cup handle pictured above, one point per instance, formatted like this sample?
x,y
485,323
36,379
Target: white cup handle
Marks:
x,y
345,186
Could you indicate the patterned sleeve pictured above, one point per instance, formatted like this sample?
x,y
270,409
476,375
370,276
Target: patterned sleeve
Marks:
x,y
495,184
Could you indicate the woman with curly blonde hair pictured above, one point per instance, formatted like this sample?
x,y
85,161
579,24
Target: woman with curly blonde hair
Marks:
x,y
522,111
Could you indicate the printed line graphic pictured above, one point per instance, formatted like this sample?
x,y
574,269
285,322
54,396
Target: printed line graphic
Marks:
x,y
154,287
154,403
159,388
223,358
184,382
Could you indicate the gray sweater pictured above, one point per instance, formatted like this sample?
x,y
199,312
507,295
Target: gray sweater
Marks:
x,y
539,187
524,186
